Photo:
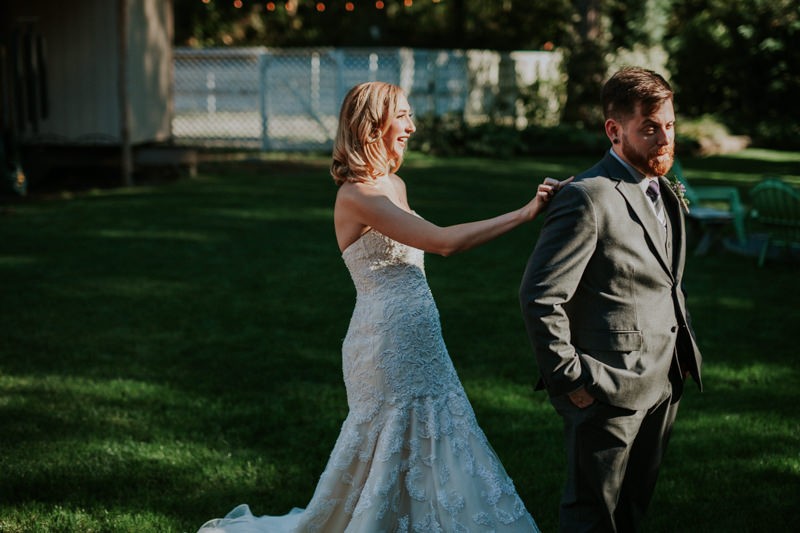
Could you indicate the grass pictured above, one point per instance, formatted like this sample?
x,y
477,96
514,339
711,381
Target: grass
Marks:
x,y
169,351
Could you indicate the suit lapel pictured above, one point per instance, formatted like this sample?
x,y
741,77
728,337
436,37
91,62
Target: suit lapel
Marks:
x,y
630,190
672,206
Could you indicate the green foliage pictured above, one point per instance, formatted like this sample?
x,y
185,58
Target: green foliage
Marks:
x,y
638,22
606,35
565,139
171,351
450,135
706,135
452,24
740,60
586,63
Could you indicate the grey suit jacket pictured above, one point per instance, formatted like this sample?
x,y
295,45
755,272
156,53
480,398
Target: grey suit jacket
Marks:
x,y
602,297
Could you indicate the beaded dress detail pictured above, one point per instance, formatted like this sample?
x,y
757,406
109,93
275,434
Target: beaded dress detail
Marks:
x,y
410,456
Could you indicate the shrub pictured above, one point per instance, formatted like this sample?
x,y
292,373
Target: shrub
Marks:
x,y
451,135
707,135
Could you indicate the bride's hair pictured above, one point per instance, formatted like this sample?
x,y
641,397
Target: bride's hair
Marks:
x,y
359,153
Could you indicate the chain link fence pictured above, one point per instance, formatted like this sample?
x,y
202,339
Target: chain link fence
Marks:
x,y
289,99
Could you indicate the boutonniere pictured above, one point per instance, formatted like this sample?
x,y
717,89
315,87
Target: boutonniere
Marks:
x,y
680,191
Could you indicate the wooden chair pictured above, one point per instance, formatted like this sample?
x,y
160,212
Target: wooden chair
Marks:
x,y
775,207
711,208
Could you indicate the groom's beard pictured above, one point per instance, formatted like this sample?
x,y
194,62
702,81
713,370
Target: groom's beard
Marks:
x,y
655,162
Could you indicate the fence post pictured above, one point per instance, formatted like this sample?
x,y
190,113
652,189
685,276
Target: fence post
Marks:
x,y
263,107
373,66
405,57
339,59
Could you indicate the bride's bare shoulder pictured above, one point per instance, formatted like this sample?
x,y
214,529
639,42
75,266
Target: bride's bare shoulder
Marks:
x,y
354,191
353,197
376,194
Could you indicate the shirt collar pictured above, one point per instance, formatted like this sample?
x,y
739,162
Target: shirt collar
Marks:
x,y
640,178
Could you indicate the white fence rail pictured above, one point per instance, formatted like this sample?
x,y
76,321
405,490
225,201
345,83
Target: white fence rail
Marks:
x,y
288,99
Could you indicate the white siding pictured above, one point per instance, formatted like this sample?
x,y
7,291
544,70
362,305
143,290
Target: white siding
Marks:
x,y
82,46
150,69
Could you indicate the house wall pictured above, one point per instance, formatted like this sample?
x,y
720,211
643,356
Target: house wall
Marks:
x,y
82,45
150,69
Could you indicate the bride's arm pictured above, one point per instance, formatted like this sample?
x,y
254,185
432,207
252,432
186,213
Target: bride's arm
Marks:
x,y
371,208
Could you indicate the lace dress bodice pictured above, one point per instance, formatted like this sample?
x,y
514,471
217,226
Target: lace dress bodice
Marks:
x,y
410,456
394,352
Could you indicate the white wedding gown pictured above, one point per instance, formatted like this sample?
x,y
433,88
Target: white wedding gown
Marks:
x,y
410,456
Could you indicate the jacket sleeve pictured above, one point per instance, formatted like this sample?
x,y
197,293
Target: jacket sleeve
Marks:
x,y
565,246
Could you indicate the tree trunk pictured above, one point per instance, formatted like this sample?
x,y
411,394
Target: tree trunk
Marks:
x,y
586,65
459,23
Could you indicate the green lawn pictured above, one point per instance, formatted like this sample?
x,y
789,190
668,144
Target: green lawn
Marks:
x,y
172,350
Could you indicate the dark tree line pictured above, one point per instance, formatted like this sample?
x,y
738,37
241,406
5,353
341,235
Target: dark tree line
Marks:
x,y
496,24
740,60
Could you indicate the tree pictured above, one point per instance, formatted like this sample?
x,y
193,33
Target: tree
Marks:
x,y
586,64
740,60
605,35
638,29
497,25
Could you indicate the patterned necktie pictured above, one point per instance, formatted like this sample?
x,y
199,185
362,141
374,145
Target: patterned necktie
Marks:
x,y
654,193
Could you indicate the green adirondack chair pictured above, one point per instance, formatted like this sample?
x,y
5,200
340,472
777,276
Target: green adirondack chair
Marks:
x,y
711,208
775,207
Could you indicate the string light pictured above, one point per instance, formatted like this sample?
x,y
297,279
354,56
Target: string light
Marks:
x,y
291,5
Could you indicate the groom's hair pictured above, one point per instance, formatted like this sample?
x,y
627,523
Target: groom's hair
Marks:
x,y
630,86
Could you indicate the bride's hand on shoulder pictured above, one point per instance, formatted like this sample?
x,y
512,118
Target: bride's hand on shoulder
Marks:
x,y
544,193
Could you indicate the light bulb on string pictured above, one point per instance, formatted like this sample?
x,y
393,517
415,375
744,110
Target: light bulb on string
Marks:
x,y
291,5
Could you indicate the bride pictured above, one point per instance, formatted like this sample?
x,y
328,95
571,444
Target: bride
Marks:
x,y
410,455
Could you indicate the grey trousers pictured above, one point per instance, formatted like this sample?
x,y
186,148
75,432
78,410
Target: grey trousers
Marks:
x,y
613,458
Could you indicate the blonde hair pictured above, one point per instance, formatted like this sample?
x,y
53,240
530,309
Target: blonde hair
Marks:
x,y
359,153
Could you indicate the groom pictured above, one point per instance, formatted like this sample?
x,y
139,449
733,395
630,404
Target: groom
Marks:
x,y
605,310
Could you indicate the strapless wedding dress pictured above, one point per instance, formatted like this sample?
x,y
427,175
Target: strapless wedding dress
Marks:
x,y
410,456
